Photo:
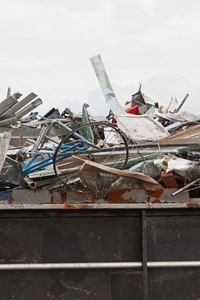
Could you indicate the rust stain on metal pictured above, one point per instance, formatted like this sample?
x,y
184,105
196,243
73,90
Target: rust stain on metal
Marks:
x,y
11,200
73,206
122,198
50,191
63,197
116,196
93,200
156,201
192,205
81,193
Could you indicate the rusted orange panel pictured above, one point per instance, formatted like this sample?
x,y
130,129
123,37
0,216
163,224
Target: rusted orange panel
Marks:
x,y
117,196
169,180
156,193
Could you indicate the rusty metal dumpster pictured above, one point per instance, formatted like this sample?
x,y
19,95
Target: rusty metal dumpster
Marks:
x,y
58,245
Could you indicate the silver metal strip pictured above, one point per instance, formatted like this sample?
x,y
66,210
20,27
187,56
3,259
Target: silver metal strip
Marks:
x,y
105,84
25,110
21,104
111,265
173,264
95,206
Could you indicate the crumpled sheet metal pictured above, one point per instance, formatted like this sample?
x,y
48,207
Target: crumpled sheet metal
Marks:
x,y
101,179
170,107
183,116
4,143
184,168
180,166
141,128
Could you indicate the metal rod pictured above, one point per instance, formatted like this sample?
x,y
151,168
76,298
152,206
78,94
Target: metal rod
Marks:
x,y
47,137
75,133
46,162
8,121
185,187
9,92
103,265
25,110
164,145
173,264
120,149
6,104
22,103
47,266
41,135
181,104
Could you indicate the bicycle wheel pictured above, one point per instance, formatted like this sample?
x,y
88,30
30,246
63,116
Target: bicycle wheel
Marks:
x,y
100,142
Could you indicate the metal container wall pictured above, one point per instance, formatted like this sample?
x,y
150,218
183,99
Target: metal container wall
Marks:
x,y
99,236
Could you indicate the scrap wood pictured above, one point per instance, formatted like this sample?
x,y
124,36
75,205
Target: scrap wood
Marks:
x,y
189,134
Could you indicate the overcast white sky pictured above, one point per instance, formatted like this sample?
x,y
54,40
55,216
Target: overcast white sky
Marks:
x,y
46,45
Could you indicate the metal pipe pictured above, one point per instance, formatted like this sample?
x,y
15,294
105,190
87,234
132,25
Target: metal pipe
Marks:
x,y
120,149
46,162
185,187
181,104
164,145
8,121
103,265
9,92
25,110
47,137
173,264
51,266
41,135
75,133
6,104
22,103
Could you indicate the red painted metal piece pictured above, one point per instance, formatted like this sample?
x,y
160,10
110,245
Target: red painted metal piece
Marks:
x,y
169,180
133,110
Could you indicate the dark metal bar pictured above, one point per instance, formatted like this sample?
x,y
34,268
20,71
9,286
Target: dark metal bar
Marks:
x,y
138,146
181,104
144,255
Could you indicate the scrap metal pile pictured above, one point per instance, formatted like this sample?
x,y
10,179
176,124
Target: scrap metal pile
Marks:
x,y
139,146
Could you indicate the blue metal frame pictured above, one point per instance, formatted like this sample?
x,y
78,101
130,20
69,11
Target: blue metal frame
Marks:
x,y
29,168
